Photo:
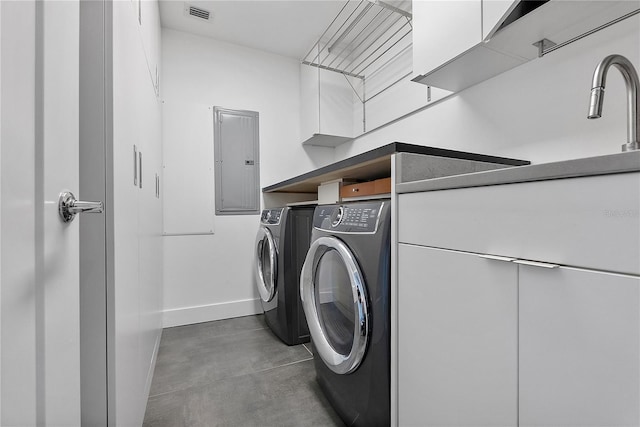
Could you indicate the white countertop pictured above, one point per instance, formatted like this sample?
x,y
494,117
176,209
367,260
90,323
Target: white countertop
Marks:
x,y
590,166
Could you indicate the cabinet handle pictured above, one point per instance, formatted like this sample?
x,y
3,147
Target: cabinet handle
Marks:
x,y
140,168
496,258
135,166
535,263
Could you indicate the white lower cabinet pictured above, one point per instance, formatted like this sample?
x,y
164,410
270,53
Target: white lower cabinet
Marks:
x,y
486,341
458,339
546,334
579,348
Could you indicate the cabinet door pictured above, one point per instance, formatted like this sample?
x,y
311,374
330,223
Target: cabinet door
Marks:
x,y
336,104
149,234
443,30
327,105
309,101
579,348
148,15
494,13
457,339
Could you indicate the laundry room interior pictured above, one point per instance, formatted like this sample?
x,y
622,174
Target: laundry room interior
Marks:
x,y
346,213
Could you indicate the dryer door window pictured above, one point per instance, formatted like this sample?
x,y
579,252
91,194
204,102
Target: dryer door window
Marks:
x,y
266,269
335,304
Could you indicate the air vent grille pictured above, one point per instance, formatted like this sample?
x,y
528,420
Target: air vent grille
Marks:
x,y
196,12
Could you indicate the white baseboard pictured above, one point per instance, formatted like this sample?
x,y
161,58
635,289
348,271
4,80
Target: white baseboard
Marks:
x,y
206,313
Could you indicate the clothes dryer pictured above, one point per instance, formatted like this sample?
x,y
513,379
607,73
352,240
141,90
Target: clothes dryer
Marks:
x,y
345,289
281,246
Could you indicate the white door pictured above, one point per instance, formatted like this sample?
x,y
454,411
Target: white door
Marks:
x,y
39,267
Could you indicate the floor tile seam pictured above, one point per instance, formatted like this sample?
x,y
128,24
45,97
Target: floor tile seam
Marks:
x,y
213,339
208,383
244,331
283,365
201,325
307,348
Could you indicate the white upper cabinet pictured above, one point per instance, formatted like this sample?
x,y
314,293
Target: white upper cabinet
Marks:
x,y
327,108
148,16
494,13
457,44
443,30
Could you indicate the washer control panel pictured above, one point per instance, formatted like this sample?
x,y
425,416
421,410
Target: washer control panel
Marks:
x,y
271,216
357,217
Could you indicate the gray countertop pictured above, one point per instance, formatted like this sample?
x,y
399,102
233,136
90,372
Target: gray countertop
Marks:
x,y
590,166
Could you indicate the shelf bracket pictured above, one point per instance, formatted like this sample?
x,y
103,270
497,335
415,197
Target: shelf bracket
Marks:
x,y
543,45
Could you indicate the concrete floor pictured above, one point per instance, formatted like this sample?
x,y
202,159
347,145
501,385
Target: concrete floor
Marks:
x,y
234,372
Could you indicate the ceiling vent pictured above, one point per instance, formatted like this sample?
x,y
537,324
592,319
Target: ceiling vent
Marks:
x,y
196,12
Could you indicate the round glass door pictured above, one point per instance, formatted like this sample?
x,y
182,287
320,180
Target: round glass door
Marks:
x,y
335,304
266,264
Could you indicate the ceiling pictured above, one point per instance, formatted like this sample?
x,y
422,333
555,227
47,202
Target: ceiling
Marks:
x,y
284,27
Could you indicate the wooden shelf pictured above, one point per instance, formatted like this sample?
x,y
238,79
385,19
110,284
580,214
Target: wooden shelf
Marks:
x,y
367,188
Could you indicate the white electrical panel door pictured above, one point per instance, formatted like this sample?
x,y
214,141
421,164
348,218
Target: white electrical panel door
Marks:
x,y
237,166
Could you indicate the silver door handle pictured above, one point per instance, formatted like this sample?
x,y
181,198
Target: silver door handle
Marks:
x,y
535,263
69,207
496,257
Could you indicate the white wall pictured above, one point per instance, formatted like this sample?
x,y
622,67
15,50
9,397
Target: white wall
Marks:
x,y
535,112
208,277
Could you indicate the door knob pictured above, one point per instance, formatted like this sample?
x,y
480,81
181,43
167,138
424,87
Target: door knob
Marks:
x,y
68,206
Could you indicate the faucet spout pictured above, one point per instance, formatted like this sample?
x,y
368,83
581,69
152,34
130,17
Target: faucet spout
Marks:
x,y
633,101
595,105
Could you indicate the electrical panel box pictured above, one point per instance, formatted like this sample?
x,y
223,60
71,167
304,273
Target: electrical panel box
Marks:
x,y
237,164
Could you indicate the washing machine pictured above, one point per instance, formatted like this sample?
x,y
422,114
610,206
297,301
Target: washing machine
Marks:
x,y
281,246
345,289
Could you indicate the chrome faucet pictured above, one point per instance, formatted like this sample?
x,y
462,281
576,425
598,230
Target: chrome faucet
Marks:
x,y
633,102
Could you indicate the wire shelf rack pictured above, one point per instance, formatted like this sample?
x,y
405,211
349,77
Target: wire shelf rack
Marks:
x,y
365,37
